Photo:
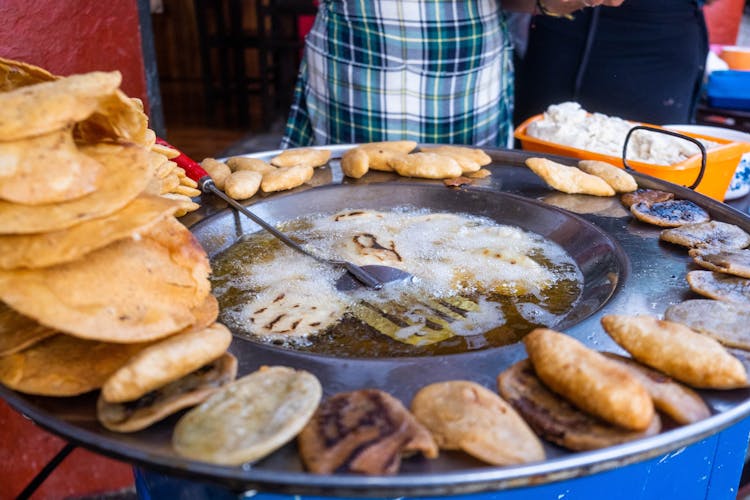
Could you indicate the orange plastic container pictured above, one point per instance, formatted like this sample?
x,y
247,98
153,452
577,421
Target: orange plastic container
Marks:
x,y
721,161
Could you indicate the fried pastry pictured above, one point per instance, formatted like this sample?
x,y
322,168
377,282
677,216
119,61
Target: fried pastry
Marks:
x,y
714,234
725,321
720,286
17,332
730,261
355,163
569,179
425,166
618,178
249,418
463,415
184,392
166,361
306,157
365,431
62,365
587,379
240,163
470,159
242,184
127,171
217,170
66,245
555,419
647,196
282,179
380,154
679,402
678,351
672,213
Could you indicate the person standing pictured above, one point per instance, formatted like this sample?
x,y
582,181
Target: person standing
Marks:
x,y
643,61
433,71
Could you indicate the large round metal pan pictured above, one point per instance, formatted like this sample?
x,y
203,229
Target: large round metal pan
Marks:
x,y
627,270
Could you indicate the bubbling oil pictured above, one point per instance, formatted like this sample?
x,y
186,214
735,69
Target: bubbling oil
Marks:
x,y
477,284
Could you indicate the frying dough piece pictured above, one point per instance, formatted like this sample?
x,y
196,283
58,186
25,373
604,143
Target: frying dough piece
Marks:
x,y
617,177
365,431
587,379
725,321
355,163
239,163
249,418
425,165
465,415
647,196
568,179
713,234
306,157
242,184
470,159
720,286
286,178
380,154
217,170
676,350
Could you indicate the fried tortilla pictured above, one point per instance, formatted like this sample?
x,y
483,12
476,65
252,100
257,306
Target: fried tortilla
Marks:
x,y
64,366
618,178
647,196
166,361
249,418
714,235
190,390
672,213
57,247
555,419
727,322
720,286
15,74
590,381
116,117
678,351
365,431
46,169
126,173
679,402
47,106
569,179
463,415
152,285
735,262
17,332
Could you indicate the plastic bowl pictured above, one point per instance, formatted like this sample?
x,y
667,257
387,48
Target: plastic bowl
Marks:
x,y
736,57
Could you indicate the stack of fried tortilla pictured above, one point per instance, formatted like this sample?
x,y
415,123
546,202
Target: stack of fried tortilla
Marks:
x,y
100,285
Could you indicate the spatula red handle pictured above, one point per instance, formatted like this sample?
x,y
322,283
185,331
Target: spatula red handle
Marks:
x,y
191,167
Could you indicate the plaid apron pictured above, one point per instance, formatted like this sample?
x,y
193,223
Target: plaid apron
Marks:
x,y
432,71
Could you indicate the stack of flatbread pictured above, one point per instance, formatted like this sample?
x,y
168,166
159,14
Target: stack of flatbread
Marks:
x,y
100,285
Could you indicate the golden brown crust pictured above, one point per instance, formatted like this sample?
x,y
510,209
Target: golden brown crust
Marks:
x,y
720,286
618,178
306,157
17,332
464,415
676,350
589,380
355,163
724,321
568,179
282,179
425,165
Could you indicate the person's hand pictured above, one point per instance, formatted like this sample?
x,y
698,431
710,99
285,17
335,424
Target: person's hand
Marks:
x,y
564,7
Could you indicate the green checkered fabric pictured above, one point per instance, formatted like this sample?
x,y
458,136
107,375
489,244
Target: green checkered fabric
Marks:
x,y
432,71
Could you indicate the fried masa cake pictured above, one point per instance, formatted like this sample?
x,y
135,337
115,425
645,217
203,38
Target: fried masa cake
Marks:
x,y
365,431
555,419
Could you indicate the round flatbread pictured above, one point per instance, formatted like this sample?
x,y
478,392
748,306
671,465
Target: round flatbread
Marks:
x,y
250,418
464,415
190,390
725,321
132,290
15,74
17,332
720,286
647,196
558,421
126,173
365,431
672,213
64,366
46,169
117,117
165,362
66,245
731,261
43,107
714,235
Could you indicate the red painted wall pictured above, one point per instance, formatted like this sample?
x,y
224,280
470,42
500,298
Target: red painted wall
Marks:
x,y
76,36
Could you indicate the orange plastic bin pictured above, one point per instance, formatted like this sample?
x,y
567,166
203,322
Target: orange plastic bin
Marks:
x,y
721,161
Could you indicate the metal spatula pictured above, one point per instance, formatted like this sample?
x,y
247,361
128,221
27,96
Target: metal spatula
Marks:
x,y
370,276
